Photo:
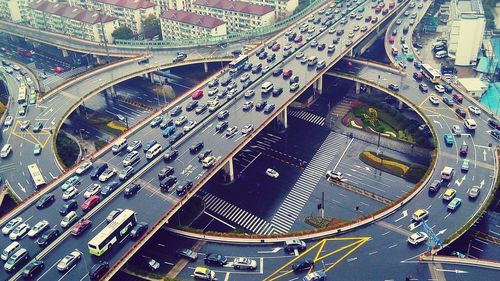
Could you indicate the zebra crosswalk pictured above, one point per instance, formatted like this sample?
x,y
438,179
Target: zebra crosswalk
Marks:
x,y
296,199
308,117
236,215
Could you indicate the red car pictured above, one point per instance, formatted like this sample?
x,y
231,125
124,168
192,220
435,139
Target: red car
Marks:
x,y
298,46
90,203
276,47
297,39
197,95
391,39
287,73
377,10
58,69
80,227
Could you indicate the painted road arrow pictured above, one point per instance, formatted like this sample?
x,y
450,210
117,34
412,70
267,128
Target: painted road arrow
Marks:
x,y
481,184
404,214
452,270
459,182
274,250
441,231
439,123
484,155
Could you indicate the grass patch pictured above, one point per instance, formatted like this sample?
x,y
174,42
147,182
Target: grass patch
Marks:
x,y
67,150
188,213
319,222
410,171
99,144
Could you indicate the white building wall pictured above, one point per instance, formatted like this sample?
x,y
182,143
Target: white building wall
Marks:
x,y
469,40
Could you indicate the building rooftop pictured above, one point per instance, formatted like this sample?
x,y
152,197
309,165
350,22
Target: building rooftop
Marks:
x,y
467,8
473,84
236,6
192,18
129,4
67,11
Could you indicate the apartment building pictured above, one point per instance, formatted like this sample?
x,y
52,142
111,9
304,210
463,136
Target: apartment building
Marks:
x,y
130,13
283,8
72,21
10,10
238,15
179,5
182,25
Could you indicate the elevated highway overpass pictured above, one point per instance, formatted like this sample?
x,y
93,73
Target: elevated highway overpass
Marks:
x,y
187,163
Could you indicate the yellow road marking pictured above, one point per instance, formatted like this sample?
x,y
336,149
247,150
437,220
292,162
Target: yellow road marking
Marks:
x,y
34,140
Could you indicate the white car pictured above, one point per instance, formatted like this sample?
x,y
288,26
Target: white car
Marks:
x,y
180,120
299,55
417,238
39,227
456,130
13,223
272,173
69,219
439,88
92,190
19,77
434,99
107,175
334,175
84,167
8,121
247,129
25,125
135,145
19,231
474,109
244,263
69,260
69,193
189,126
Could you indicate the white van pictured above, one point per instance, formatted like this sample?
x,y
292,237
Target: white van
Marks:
x,y
5,150
470,124
447,173
153,151
119,145
266,87
12,248
312,61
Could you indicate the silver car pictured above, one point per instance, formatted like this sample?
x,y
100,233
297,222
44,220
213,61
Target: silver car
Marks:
x,y
244,263
68,261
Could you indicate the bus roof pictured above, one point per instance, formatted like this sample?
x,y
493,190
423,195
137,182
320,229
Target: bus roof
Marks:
x,y
112,226
36,175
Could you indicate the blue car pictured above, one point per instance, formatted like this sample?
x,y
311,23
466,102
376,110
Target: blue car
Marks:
x,y
448,139
168,131
149,145
108,189
448,101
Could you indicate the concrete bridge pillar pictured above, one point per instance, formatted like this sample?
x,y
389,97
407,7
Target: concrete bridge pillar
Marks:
x,y
400,105
205,67
318,85
358,88
228,171
64,53
111,90
151,77
97,59
282,118
368,89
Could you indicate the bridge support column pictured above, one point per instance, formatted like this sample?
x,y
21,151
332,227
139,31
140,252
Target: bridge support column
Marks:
x,y
205,67
318,85
64,53
282,118
228,171
151,77
111,90
358,88
97,59
400,105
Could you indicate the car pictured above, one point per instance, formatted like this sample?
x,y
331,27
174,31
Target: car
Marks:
x,y
38,228
69,193
302,265
74,180
92,190
190,125
331,175
138,230
248,105
315,276
131,189
231,131
204,154
83,168
221,126
25,125
38,127
215,259
456,130
180,120
419,215
170,154
126,173
204,273
417,238
494,124
69,219
435,185
187,254
183,187
214,82
45,200
460,112
448,139
175,137
201,108
269,108
449,194
294,244
197,95
106,175
209,161
454,204
247,129
98,270
110,188
19,232
448,101
474,109
393,87
48,237
8,121
80,227
176,111
33,268
277,72
465,165
167,122
434,99
156,121
244,263
272,173
153,264
474,192
165,172
189,107
464,149
223,114
249,94
69,260
68,206
113,214
439,88
423,87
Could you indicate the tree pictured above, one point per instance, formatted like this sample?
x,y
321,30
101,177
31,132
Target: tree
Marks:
x,y
371,117
151,27
122,32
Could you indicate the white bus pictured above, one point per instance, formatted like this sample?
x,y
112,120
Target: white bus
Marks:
x,y
36,175
112,233
21,98
432,74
